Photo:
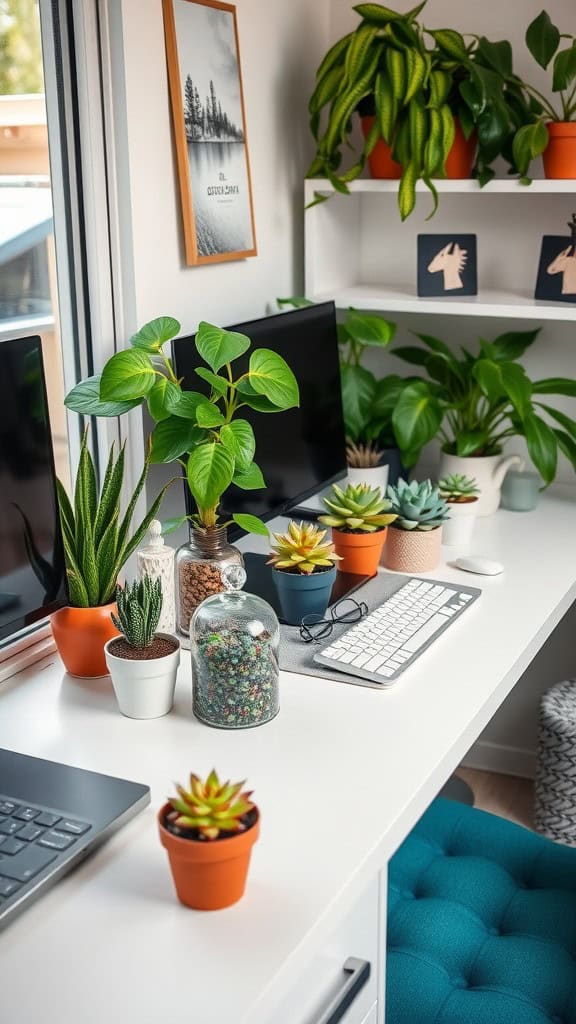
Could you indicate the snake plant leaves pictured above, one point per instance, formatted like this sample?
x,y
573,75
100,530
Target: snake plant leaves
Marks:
x,y
238,438
210,471
218,347
174,437
127,375
153,335
542,39
271,376
85,399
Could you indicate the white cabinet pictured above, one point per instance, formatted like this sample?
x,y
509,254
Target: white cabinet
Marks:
x,y
352,957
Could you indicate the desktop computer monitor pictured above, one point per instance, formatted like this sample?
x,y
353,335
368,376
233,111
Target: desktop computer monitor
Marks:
x,y
301,450
31,561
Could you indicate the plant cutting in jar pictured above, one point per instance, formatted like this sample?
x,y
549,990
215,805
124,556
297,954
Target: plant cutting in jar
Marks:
x,y
204,431
304,569
416,88
359,516
415,536
142,662
208,831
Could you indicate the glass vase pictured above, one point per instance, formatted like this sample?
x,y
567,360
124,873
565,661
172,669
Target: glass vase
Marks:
x,y
199,565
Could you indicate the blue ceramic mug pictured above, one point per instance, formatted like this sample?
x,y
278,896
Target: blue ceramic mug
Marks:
x,y
520,491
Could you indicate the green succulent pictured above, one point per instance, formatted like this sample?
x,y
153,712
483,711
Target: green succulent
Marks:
x,y
457,487
417,505
358,507
139,607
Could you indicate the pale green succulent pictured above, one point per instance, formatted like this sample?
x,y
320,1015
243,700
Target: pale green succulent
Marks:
x,y
358,507
417,505
458,487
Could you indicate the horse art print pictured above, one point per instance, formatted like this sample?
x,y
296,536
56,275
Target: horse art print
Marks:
x,y
557,271
446,265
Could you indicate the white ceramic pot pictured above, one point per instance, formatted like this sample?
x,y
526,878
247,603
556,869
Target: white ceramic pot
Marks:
x,y
144,689
458,529
487,470
376,476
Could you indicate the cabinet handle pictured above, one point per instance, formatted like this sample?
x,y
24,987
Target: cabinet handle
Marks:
x,y
356,974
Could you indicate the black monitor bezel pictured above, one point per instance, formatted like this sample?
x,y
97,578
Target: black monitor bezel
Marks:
x,y
284,507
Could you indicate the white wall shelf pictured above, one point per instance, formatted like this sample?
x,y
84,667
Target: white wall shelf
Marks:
x,y
359,253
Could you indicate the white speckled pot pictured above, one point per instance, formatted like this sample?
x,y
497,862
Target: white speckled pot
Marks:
x,y
144,689
412,550
458,529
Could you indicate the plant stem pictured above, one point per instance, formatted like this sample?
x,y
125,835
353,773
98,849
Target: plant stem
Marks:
x,y
167,363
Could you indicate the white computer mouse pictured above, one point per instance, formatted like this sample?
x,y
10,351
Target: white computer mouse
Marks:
x,y
479,564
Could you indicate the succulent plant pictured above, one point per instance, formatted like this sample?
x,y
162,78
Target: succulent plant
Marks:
x,y
417,505
358,507
303,549
139,607
363,456
210,807
457,487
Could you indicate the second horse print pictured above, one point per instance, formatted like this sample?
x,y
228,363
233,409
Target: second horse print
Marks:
x,y
447,265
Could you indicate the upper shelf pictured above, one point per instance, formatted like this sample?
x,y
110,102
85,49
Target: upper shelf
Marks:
x,y
461,186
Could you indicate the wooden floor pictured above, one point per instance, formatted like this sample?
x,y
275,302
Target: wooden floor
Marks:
x,y
505,795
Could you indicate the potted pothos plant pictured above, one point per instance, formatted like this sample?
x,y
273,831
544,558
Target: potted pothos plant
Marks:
x,y
359,516
368,401
208,832
202,430
142,662
552,132
415,536
433,103
474,403
304,570
98,541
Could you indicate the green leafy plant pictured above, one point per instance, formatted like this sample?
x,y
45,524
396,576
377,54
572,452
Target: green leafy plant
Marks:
x,y
302,549
139,608
418,506
475,402
202,431
210,809
97,540
414,81
357,507
545,42
458,488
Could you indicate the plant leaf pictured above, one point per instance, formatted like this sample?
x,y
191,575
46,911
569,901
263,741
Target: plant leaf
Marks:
x,y
85,399
250,479
210,471
218,347
417,417
369,330
530,141
208,415
187,404
542,446
497,54
564,69
295,301
513,344
238,438
555,386
358,393
217,383
153,335
161,397
251,524
127,375
542,39
174,437
271,376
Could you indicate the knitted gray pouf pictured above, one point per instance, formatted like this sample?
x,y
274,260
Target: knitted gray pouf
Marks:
x,y
555,791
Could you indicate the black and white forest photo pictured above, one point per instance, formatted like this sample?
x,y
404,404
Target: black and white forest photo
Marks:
x,y
210,132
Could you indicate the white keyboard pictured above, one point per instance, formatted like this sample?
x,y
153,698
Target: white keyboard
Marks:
x,y
382,645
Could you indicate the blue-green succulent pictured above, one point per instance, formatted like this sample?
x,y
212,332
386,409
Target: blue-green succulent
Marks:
x,y
417,505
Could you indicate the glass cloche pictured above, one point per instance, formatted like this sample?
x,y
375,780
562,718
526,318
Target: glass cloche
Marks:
x,y
234,641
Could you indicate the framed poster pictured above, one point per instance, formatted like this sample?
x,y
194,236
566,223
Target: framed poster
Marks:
x,y
556,280
209,130
447,265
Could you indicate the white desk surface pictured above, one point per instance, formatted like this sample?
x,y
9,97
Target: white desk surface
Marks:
x,y
341,776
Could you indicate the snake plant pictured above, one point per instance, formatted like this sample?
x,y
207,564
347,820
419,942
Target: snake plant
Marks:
x,y
139,608
415,81
417,505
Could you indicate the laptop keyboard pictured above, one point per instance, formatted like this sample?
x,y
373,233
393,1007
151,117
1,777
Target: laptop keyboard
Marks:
x,y
31,838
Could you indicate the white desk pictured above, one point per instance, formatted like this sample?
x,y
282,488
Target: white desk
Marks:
x,y
341,776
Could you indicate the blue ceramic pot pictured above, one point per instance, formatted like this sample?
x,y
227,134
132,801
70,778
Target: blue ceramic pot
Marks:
x,y
302,595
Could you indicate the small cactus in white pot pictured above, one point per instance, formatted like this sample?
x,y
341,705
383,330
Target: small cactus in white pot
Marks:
x,y
415,537
142,663
460,492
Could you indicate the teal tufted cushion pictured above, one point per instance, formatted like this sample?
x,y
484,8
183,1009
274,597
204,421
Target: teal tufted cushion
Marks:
x,y
481,923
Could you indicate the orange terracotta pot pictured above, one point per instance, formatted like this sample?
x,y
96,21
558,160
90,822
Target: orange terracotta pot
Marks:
x,y
412,550
380,160
80,635
360,552
210,875
559,157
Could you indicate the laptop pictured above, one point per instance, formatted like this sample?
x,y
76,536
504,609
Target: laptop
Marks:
x,y
51,817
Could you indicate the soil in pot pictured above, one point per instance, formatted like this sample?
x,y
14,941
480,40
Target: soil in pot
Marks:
x,y
235,678
159,648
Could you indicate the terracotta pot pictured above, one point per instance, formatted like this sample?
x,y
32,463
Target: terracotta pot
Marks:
x,y
559,157
360,552
458,164
380,160
208,875
80,635
412,550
